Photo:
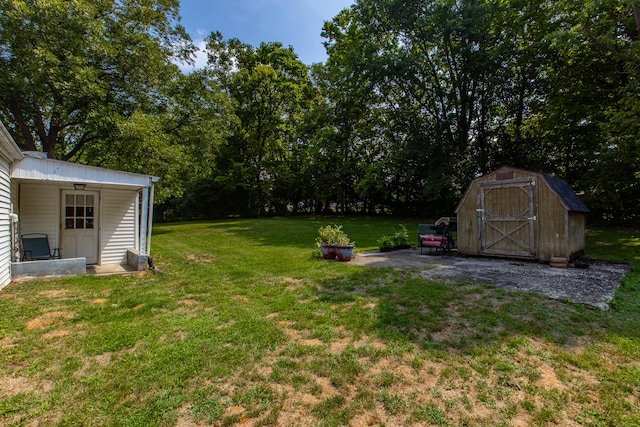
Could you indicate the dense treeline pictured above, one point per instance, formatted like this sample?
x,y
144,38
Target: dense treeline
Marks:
x,y
417,98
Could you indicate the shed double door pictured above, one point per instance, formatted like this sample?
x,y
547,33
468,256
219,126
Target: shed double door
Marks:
x,y
507,217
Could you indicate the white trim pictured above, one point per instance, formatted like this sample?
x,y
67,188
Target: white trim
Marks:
x,y
136,212
56,171
143,221
8,148
150,223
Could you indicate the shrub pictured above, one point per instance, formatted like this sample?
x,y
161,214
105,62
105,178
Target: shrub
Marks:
x,y
332,235
399,238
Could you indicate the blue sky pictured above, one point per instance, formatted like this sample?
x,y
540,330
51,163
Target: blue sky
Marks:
x,y
296,23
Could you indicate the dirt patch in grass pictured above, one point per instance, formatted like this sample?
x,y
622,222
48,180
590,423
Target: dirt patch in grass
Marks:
x,y
234,410
11,386
189,302
548,378
58,333
293,284
54,293
200,259
7,343
337,347
49,319
518,387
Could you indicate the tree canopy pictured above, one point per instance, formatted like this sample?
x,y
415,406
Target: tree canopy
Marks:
x,y
416,98
67,68
463,87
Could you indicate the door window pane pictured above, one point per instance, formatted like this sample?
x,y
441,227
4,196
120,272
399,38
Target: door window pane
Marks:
x,y
79,211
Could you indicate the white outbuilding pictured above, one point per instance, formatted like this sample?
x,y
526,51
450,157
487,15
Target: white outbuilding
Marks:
x,y
95,216
9,153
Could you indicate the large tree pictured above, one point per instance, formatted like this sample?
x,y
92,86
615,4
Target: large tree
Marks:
x,y
70,69
270,90
435,72
602,49
176,140
461,87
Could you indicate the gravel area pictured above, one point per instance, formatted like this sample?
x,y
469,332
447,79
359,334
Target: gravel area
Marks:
x,y
594,286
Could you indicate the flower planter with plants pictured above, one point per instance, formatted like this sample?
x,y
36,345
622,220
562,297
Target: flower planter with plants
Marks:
x,y
334,243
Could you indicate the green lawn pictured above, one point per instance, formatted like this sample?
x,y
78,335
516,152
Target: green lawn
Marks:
x,y
248,326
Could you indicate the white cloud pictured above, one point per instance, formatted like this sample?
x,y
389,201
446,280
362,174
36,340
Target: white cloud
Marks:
x,y
200,58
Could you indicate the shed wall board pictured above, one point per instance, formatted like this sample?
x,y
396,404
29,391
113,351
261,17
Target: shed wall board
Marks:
x,y
577,236
468,225
119,228
40,211
552,224
5,223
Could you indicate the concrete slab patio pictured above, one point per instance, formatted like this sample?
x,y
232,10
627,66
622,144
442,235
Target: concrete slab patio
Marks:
x,y
109,270
594,286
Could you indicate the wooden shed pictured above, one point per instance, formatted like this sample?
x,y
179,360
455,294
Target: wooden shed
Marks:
x,y
523,214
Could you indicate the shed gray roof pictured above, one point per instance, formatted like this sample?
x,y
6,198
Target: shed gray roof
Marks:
x,y
569,196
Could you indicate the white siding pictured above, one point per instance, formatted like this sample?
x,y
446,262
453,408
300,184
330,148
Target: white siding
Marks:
x,y
5,224
118,225
40,211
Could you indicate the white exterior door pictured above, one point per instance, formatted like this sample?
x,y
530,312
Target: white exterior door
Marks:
x,y
79,235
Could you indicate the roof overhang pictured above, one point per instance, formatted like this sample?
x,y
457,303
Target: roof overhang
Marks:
x,y
56,172
8,148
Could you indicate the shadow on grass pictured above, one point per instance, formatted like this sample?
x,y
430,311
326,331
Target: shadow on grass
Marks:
x,y
458,317
465,317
